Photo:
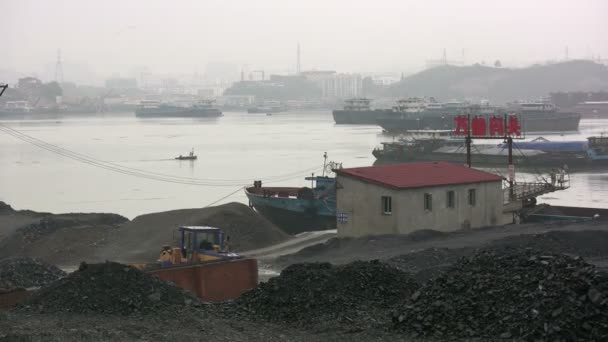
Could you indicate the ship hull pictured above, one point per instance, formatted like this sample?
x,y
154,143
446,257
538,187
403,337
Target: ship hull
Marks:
x,y
294,215
592,111
293,222
549,122
186,113
549,160
357,117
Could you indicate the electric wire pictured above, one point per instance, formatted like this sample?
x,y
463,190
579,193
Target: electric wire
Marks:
x,y
154,173
141,173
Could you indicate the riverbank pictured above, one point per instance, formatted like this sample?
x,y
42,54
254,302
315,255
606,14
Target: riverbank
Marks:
x,y
68,239
315,301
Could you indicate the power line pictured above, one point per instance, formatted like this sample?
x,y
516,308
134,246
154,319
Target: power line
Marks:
x,y
137,172
230,194
149,172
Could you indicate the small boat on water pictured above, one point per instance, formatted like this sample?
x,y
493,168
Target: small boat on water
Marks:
x,y
190,156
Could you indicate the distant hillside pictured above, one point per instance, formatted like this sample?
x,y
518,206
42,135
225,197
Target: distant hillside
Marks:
x,y
501,85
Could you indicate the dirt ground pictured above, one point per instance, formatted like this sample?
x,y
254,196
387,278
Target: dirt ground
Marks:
x,y
68,239
19,327
344,250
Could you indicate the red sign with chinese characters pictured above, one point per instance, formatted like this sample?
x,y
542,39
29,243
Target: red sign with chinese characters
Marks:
x,y
488,127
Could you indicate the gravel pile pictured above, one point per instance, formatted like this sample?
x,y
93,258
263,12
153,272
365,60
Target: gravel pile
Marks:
x,y
27,272
110,288
588,243
358,294
513,294
428,263
51,223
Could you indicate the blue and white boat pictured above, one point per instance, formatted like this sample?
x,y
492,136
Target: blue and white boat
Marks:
x,y
598,149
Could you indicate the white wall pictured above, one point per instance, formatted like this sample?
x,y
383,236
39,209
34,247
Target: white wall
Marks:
x,y
361,201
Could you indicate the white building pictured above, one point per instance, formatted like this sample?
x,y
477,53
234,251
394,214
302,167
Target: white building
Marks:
x,y
334,85
402,198
342,86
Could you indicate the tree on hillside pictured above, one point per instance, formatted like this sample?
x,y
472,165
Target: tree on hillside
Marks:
x,y
497,64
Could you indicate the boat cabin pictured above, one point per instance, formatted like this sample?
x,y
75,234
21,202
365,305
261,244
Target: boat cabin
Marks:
x,y
149,104
357,104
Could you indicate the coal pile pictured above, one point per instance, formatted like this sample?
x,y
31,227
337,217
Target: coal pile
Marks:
x,y
428,263
27,272
110,288
517,294
357,294
588,243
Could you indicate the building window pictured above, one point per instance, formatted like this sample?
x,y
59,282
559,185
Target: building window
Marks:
x,y
451,199
472,196
428,202
387,205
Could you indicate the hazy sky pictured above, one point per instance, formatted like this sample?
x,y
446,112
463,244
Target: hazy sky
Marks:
x,y
347,35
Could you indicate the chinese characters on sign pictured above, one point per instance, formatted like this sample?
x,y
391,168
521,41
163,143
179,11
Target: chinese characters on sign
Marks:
x,y
494,126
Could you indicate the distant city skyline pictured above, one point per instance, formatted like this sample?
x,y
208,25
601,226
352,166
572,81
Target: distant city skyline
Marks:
x,y
183,37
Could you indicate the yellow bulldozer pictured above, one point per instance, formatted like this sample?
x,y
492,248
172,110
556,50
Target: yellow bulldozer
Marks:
x,y
204,264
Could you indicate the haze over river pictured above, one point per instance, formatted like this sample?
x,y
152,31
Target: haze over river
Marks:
x,y
233,151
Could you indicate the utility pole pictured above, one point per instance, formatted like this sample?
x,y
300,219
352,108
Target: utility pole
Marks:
x,y
468,139
59,68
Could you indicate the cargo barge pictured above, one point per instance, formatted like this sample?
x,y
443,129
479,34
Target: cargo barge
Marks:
x,y
539,153
417,114
156,109
358,112
297,209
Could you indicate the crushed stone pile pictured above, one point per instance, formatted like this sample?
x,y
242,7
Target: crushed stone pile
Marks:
x,y
428,263
27,272
357,294
110,288
588,243
516,294
49,224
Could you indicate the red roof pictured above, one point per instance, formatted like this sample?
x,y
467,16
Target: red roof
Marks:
x,y
418,175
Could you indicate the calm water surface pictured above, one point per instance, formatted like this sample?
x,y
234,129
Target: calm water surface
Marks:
x,y
232,151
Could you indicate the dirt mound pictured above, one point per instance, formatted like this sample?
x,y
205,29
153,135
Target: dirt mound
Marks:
x,y
141,239
61,238
110,288
27,272
514,294
49,224
318,294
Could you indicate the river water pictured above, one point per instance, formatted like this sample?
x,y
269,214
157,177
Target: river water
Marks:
x,y
233,151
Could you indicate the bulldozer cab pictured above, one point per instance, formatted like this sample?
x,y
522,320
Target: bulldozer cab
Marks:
x,y
202,243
